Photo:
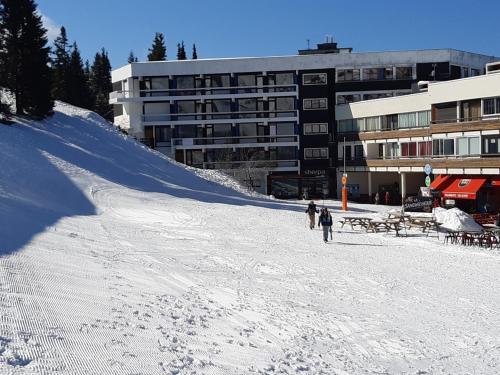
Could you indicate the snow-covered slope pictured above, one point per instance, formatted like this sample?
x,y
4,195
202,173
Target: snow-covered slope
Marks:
x,y
115,260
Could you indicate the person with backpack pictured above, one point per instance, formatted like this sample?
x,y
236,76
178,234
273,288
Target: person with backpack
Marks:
x,y
325,220
312,211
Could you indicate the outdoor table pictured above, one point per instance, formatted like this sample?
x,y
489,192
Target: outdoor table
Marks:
x,y
387,224
431,224
353,221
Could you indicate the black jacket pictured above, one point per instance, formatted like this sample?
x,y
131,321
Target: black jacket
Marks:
x,y
311,209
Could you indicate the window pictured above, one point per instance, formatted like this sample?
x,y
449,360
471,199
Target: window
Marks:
x,y
183,83
160,83
348,152
163,133
377,95
314,79
350,98
491,106
465,72
380,150
251,106
359,124
490,145
468,146
424,148
443,147
475,72
283,106
313,104
407,120
281,79
320,128
345,126
249,80
372,123
347,75
446,112
222,106
285,128
117,110
370,74
358,152
316,153
388,73
185,107
392,150
409,149
424,118
390,122
404,72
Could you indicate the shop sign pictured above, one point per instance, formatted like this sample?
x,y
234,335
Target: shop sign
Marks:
x,y
314,172
416,204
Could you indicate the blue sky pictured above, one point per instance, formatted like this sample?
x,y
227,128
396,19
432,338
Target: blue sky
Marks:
x,y
234,28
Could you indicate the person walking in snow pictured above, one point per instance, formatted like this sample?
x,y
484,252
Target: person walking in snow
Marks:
x,y
325,220
312,211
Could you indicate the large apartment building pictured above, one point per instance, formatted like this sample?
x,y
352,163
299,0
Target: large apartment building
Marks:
x,y
271,121
452,126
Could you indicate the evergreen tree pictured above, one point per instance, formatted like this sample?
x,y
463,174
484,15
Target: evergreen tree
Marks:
x,y
100,84
158,51
195,55
78,85
182,52
178,51
4,111
60,66
131,58
24,58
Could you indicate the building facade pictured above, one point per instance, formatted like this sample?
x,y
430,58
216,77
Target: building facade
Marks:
x,y
270,121
452,126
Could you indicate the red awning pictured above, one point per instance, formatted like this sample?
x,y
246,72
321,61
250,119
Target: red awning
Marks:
x,y
463,188
495,181
440,182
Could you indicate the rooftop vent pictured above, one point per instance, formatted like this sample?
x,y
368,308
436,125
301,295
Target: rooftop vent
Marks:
x,y
323,48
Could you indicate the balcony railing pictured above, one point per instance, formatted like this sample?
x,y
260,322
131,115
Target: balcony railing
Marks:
x,y
467,119
235,140
219,90
217,115
269,164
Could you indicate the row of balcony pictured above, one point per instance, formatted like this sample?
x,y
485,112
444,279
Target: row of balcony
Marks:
x,y
162,117
231,90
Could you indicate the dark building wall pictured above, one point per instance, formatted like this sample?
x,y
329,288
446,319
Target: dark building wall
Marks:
x,y
424,71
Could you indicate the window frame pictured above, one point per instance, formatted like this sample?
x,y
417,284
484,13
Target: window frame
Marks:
x,y
321,150
312,124
325,75
319,100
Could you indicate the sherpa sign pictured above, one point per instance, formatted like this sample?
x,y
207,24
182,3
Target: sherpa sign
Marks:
x,y
417,204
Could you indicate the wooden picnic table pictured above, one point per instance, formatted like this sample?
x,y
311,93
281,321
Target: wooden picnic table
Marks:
x,y
353,221
387,224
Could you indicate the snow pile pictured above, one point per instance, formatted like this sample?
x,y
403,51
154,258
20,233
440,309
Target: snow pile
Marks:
x,y
456,219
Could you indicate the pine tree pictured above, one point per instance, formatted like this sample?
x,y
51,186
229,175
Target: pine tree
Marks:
x,y
100,84
60,65
178,51
158,51
195,55
131,58
183,52
24,58
78,86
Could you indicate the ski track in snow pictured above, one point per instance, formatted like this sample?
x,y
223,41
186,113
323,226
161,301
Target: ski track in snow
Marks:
x,y
158,284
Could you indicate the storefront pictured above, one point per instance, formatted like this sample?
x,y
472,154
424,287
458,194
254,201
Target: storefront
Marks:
x,y
294,186
472,194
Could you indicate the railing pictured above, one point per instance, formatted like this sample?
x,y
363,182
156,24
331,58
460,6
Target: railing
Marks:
x,y
467,119
217,115
250,164
234,140
120,94
218,90
411,157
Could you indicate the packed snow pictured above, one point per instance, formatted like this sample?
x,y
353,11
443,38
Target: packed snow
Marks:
x,y
116,260
456,219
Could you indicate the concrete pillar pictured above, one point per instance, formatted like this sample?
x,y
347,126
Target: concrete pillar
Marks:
x,y
369,186
403,186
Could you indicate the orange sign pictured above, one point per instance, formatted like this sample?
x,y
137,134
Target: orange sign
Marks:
x,y
344,180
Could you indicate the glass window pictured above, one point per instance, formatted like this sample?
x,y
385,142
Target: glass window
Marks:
x,y
285,128
358,152
320,128
377,95
222,105
409,149
446,112
185,82
117,110
347,75
404,72
314,79
388,73
281,79
160,83
284,107
465,72
316,153
248,105
163,133
372,123
186,106
348,152
186,131
317,103
474,146
350,98
424,148
407,120
345,126
156,108
370,73
424,118
491,106
462,146
220,81
249,80
475,72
